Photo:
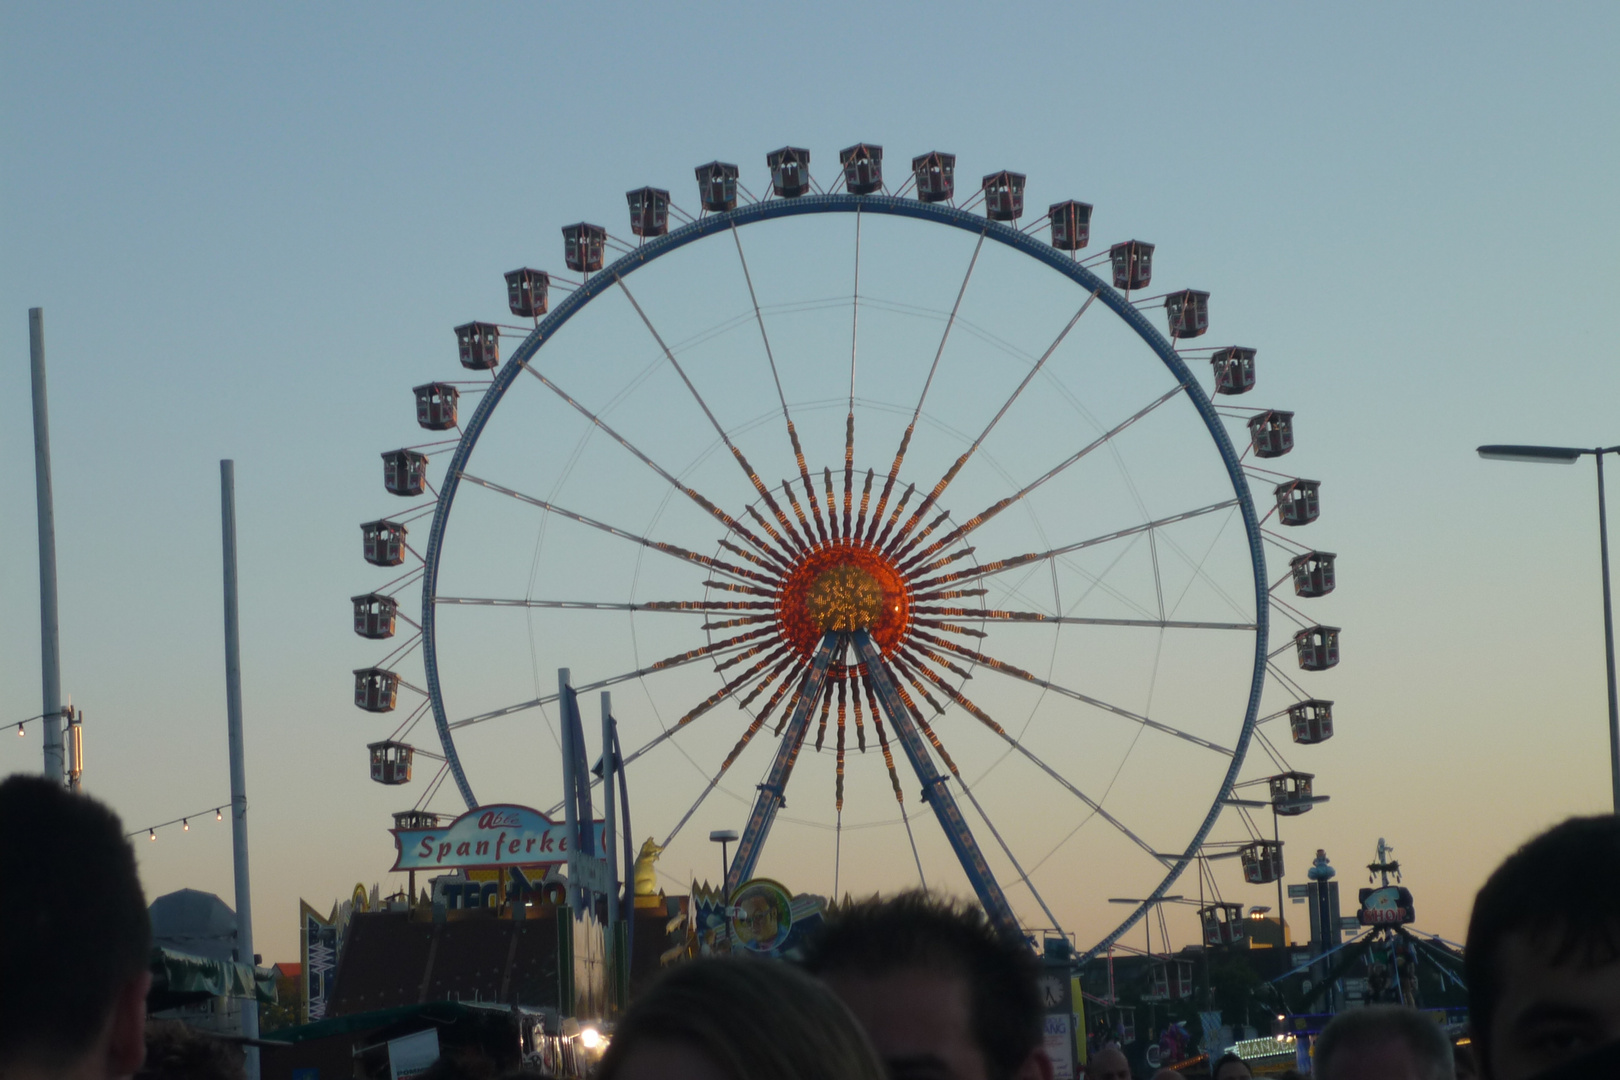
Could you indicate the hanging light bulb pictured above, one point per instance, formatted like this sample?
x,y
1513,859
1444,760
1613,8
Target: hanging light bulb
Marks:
x,y
185,826
151,834
20,732
217,815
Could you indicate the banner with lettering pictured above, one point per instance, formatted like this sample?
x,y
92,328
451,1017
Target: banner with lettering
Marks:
x,y
502,835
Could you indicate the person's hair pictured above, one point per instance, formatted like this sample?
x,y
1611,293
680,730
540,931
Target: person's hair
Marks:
x,y
73,923
1226,1059
754,1019
177,1052
915,930
1561,887
1381,1023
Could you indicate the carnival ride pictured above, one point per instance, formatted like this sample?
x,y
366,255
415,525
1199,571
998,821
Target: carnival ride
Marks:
x,y
981,485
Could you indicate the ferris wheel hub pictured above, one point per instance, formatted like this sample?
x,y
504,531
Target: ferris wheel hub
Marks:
x,y
842,586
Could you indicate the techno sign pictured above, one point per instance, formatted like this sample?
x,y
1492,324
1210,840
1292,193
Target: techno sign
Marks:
x,y
500,835
1387,905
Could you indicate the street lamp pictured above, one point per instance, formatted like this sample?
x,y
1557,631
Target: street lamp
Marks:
x,y
1567,455
723,837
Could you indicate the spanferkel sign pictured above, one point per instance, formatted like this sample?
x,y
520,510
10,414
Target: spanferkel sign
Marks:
x,y
488,836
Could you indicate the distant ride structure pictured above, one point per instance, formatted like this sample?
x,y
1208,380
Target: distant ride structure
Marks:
x,y
853,594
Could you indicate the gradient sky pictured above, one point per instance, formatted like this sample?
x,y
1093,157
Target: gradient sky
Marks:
x,y
251,231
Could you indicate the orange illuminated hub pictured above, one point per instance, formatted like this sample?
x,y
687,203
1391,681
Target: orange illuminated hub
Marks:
x,y
843,586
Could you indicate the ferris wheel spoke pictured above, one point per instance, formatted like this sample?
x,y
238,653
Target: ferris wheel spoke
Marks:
x,y
793,435
707,505
838,768
1018,867
793,662
899,508
995,508
905,440
742,461
892,664
679,660
1076,620
950,474
753,651
731,687
826,713
832,501
854,341
691,607
984,718
1024,676
714,781
1095,807
866,498
998,566
681,553
863,684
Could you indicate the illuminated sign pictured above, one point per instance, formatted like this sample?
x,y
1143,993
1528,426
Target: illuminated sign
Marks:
x,y
490,836
1387,905
1263,1047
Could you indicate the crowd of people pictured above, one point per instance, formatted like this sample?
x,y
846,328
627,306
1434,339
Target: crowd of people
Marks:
x,y
912,987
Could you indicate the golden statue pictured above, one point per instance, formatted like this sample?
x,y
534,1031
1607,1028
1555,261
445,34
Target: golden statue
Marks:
x,y
646,876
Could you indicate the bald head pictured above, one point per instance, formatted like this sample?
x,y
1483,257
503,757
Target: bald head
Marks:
x,y
1108,1064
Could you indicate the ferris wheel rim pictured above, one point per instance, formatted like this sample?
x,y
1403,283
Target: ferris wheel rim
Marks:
x,y
937,213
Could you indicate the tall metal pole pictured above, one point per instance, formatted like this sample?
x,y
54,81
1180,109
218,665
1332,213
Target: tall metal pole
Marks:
x,y
1608,639
610,850
49,642
1276,835
570,804
233,719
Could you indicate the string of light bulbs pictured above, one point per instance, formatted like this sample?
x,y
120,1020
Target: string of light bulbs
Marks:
x,y
183,822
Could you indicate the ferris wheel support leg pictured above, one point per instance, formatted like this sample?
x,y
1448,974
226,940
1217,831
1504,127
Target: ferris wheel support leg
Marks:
x,y
936,792
771,798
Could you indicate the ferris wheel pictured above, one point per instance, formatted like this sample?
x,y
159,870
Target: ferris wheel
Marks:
x,y
878,501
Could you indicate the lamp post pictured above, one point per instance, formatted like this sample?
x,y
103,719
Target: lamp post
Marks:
x,y
1567,455
724,837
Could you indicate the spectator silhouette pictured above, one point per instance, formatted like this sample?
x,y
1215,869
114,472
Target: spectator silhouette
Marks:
x,y
1383,1042
74,938
738,1019
1543,958
942,994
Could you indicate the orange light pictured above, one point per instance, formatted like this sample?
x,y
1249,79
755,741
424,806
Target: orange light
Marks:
x,y
843,586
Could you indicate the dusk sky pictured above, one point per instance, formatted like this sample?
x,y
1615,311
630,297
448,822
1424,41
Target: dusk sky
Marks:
x,y
251,232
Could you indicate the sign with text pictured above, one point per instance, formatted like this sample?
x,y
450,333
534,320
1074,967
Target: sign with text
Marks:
x,y
490,836
1387,905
